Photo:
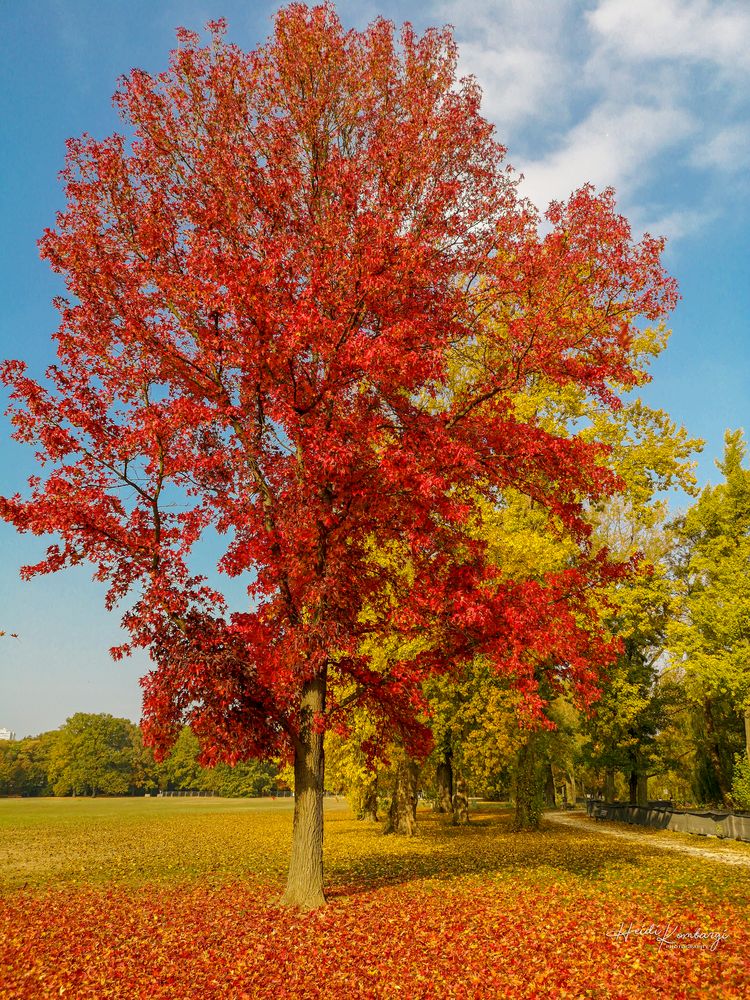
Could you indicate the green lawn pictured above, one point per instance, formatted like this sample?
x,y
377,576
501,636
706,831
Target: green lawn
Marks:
x,y
74,840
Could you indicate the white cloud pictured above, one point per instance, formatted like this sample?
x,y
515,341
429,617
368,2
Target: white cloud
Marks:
x,y
647,96
514,49
676,29
674,225
514,80
608,148
728,150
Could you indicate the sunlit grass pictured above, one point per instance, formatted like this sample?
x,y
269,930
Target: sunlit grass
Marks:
x,y
61,841
50,842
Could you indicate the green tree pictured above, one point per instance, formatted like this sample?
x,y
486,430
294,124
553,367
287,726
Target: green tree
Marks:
x,y
93,755
23,766
475,724
353,769
623,730
626,731
240,780
710,638
145,770
180,770
650,454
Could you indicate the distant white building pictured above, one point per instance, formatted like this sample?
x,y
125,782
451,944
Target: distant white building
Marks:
x,y
6,734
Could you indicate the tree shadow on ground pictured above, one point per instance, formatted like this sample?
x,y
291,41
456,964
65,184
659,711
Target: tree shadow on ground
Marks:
x,y
487,847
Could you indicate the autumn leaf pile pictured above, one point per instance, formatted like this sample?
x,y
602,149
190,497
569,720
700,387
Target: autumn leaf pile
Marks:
x,y
179,899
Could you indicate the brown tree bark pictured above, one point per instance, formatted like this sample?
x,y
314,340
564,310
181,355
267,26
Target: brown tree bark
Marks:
x,y
633,787
549,786
370,802
402,815
638,783
641,794
461,802
304,887
528,788
714,756
747,731
609,785
444,785
573,788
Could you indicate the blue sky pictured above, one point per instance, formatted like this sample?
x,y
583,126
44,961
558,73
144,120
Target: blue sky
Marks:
x,y
650,97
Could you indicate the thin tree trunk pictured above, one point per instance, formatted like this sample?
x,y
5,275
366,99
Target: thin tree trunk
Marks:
x,y
444,785
573,789
714,756
370,801
549,786
642,790
609,785
633,787
402,815
528,788
461,802
747,731
304,887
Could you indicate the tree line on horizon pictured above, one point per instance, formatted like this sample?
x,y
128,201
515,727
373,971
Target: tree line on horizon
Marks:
x,y
98,754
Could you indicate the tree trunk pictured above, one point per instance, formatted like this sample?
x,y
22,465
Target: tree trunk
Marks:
x,y
747,731
304,887
714,755
549,786
370,802
444,785
609,785
402,815
573,789
641,793
527,788
461,802
633,787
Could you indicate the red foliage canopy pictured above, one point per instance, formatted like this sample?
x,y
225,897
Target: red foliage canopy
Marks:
x,y
267,282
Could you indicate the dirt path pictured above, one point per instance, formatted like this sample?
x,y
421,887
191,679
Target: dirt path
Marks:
x,y
726,855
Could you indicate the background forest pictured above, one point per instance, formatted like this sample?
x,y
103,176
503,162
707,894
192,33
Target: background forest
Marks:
x,y
673,720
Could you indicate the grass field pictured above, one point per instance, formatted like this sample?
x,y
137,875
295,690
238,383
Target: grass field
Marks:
x,y
131,898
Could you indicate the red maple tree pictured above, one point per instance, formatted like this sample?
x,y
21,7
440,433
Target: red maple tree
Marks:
x,y
269,281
